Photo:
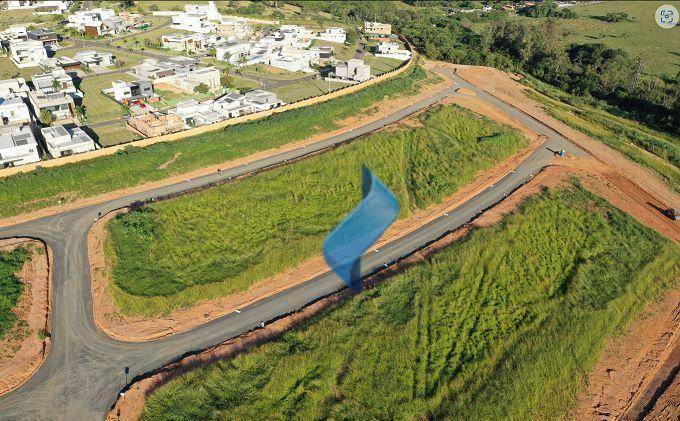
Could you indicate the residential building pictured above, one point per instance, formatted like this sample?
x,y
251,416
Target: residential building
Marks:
x,y
16,87
65,63
295,36
208,9
96,58
14,33
130,91
377,28
152,125
392,50
59,104
47,37
322,52
293,59
338,35
45,6
13,110
233,105
237,28
56,80
190,109
18,147
263,100
154,69
62,142
232,51
192,23
191,43
91,21
188,81
29,53
354,70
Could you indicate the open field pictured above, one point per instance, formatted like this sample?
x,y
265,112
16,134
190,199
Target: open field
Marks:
x,y
304,89
123,57
638,36
494,326
8,70
11,286
221,241
115,134
647,147
98,106
44,187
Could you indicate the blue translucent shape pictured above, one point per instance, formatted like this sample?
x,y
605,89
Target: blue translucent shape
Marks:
x,y
343,247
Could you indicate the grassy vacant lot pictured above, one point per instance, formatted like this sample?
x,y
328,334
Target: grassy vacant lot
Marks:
x,y
134,165
493,327
11,287
653,149
223,240
115,134
98,106
8,70
304,89
638,36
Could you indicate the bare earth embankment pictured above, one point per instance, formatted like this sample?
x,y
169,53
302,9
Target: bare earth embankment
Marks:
x,y
24,349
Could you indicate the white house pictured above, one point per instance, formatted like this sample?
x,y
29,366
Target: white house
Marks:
x,y
392,50
377,28
293,59
232,27
14,33
56,80
91,57
18,147
263,100
232,51
28,53
62,142
59,104
188,81
130,91
190,109
54,6
233,105
13,110
192,23
354,70
16,87
89,21
192,43
208,9
338,35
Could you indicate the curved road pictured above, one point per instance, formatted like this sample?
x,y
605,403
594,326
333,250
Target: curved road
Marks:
x,y
84,371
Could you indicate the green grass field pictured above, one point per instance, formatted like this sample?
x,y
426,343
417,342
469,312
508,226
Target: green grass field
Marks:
x,y
44,187
11,287
98,106
493,327
640,36
650,148
114,135
223,240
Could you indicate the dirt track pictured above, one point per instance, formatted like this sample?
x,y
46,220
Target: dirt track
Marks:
x,y
22,351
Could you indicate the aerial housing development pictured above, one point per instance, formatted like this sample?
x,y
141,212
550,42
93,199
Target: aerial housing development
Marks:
x,y
384,210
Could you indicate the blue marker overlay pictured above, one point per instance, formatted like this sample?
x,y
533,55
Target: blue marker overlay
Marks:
x,y
343,247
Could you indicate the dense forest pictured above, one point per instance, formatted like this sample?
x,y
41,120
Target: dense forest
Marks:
x,y
590,71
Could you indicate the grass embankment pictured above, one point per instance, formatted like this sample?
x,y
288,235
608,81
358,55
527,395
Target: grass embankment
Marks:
x,y
44,187
505,324
11,287
650,148
223,240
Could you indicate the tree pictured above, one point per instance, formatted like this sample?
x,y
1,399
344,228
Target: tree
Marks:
x,y
55,85
226,79
153,7
46,117
201,88
81,112
126,4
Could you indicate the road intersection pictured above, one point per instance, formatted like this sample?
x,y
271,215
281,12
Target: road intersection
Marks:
x,y
84,371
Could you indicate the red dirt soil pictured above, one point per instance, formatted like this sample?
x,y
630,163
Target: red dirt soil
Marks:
x,y
22,351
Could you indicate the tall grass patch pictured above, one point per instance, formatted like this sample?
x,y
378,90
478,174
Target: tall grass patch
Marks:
x,y
134,165
224,239
506,323
11,286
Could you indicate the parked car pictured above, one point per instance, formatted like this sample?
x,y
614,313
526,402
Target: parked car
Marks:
x,y
674,214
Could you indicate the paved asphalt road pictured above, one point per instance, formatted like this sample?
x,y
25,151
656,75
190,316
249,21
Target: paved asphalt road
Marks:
x,y
84,371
